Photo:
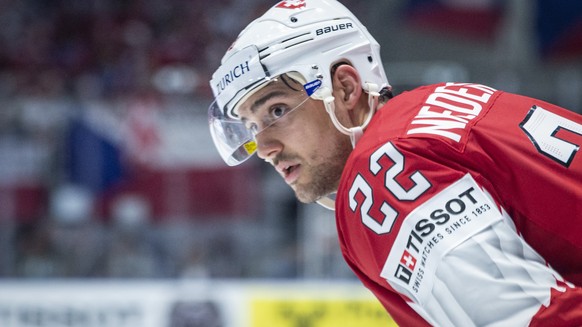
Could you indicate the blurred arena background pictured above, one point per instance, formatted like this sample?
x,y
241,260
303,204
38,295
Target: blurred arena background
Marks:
x,y
115,209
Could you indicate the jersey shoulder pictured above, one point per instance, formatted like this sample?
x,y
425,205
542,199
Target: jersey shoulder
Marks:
x,y
445,112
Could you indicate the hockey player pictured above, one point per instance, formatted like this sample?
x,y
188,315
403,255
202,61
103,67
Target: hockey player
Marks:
x,y
456,204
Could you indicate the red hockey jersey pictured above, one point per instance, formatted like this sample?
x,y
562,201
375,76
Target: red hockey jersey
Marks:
x,y
461,205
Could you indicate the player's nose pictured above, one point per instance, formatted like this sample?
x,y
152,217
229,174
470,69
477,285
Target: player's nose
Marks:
x,y
268,147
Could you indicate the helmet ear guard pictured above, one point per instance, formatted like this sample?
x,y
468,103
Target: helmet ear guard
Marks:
x,y
302,39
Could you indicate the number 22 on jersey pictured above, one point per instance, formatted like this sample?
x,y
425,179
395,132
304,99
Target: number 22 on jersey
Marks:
x,y
421,185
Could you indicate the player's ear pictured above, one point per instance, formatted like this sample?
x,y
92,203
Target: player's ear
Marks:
x,y
347,88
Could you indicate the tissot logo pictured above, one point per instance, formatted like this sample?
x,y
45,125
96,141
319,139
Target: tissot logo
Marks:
x,y
408,260
406,267
430,233
291,4
422,239
403,274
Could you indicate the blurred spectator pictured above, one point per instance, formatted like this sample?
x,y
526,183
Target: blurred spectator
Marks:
x,y
78,237
195,264
133,250
35,253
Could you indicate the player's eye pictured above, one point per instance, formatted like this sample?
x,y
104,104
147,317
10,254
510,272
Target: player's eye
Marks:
x,y
278,111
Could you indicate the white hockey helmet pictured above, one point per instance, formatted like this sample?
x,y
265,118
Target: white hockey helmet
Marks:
x,y
301,38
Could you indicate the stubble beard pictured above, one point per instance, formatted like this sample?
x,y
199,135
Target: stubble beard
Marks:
x,y
325,176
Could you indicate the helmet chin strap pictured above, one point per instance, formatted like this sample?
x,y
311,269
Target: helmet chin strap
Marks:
x,y
355,133
327,201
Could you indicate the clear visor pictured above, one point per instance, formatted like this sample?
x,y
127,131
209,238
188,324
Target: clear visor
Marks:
x,y
234,142
235,138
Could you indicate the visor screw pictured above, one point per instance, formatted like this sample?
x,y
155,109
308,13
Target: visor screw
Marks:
x,y
294,19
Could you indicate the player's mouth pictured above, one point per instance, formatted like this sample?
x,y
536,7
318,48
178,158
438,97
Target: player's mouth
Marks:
x,y
289,172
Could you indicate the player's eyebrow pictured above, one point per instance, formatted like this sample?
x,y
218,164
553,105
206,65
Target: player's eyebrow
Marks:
x,y
262,100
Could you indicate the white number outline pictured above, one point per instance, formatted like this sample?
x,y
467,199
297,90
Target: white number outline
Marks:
x,y
360,185
541,127
421,184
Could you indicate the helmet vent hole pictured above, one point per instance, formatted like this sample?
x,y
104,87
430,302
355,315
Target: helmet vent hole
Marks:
x,y
370,59
294,19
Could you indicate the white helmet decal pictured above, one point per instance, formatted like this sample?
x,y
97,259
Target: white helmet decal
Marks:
x,y
240,71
